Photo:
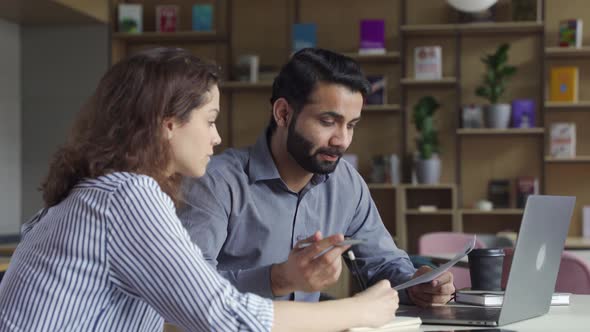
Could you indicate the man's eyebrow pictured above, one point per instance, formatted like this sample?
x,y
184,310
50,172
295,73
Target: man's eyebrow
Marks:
x,y
333,114
339,116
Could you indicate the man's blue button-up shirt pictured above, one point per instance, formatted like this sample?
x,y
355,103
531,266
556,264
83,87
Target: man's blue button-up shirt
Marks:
x,y
245,219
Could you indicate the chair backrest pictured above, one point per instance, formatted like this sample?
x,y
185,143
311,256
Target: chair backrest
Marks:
x,y
445,243
573,276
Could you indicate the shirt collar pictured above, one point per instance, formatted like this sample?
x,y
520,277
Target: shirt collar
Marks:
x,y
262,167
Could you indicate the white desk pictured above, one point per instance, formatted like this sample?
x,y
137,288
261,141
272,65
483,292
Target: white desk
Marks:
x,y
575,317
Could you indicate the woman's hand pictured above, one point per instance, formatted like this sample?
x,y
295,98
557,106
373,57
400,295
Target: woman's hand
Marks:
x,y
377,304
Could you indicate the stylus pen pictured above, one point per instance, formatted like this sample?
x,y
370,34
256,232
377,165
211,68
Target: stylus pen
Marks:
x,y
355,270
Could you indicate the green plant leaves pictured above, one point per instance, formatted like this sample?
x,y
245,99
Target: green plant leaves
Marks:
x,y
423,117
496,75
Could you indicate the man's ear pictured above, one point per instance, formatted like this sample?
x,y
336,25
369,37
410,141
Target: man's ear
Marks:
x,y
282,112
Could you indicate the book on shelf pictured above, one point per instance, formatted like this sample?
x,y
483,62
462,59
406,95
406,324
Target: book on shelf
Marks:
x,y
525,186
570,33
495,298
202,19
428,63
304,36
378,93
246,68
562,140
385,168
499,193
167,18
523,113
372,37
564,84
130,18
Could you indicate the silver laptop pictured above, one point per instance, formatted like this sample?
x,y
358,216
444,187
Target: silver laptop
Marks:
x,y
533,274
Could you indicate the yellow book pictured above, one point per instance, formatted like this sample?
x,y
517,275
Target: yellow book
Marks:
x,y
564,84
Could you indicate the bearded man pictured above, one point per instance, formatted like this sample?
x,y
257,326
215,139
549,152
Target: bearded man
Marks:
x,y
256,206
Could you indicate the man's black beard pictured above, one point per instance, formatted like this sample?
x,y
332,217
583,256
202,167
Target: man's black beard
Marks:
x,y
300,149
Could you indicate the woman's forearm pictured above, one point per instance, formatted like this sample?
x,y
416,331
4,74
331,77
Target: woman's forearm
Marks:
x,y
334,315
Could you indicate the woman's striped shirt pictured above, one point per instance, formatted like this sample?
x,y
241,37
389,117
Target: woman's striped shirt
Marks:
x,y
113,256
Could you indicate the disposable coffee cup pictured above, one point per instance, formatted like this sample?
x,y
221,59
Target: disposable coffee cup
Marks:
x,y
485,268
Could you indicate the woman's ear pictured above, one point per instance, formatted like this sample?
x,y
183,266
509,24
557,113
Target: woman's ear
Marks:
x,y
168,128
282,112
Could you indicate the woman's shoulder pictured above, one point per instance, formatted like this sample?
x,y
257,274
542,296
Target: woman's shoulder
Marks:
x,y
116,181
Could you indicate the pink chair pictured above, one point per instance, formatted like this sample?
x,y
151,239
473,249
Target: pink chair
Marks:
x,y
573,276
440,243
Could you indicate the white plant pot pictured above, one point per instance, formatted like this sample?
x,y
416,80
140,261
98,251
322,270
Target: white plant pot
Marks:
x,y
428,170
498,116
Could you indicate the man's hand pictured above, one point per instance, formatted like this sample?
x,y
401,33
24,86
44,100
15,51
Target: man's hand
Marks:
x,y
436,292
304,270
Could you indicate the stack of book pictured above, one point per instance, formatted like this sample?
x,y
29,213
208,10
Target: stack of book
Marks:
x,y
495,299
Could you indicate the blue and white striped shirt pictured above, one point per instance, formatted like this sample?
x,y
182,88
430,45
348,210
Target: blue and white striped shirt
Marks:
x,y
113,256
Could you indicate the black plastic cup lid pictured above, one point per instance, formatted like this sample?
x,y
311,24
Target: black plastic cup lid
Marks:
x,y
487,252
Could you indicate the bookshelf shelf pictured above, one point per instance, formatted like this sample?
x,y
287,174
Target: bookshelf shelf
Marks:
x,y
385,108
440,212
381,186
510,131
188,36
429,186
575,160
579,106
567,52
473,28
502,27
236,85
393,57
445,81
503,212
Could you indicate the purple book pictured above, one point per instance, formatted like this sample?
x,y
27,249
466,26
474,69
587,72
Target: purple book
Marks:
x,y
523,113
372,36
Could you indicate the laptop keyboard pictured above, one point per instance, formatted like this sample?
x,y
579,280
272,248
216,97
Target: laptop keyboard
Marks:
x,y
452,313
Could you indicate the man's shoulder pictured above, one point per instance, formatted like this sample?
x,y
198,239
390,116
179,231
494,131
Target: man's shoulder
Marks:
x,y
230,162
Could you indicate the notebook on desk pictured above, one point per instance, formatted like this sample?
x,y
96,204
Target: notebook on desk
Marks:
x,y
537,255
397,324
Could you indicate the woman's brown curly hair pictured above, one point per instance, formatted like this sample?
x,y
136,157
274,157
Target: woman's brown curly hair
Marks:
x,y
120,127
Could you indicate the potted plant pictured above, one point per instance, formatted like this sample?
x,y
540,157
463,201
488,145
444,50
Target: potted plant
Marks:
x,y
494,85
427,161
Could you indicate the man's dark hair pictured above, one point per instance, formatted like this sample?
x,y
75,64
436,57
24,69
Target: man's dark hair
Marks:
x,y
299,77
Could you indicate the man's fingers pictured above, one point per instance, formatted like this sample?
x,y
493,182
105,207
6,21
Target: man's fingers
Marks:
x,y
317,236
444,278
318,247
330,256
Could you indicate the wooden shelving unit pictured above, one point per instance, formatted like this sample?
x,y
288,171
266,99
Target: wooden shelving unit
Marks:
x,y
375,58
180,36
470,157
445,81
499,212
381,108
472,28
381,186
560,106
567,52
237,85
442,212
575,160
504,132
